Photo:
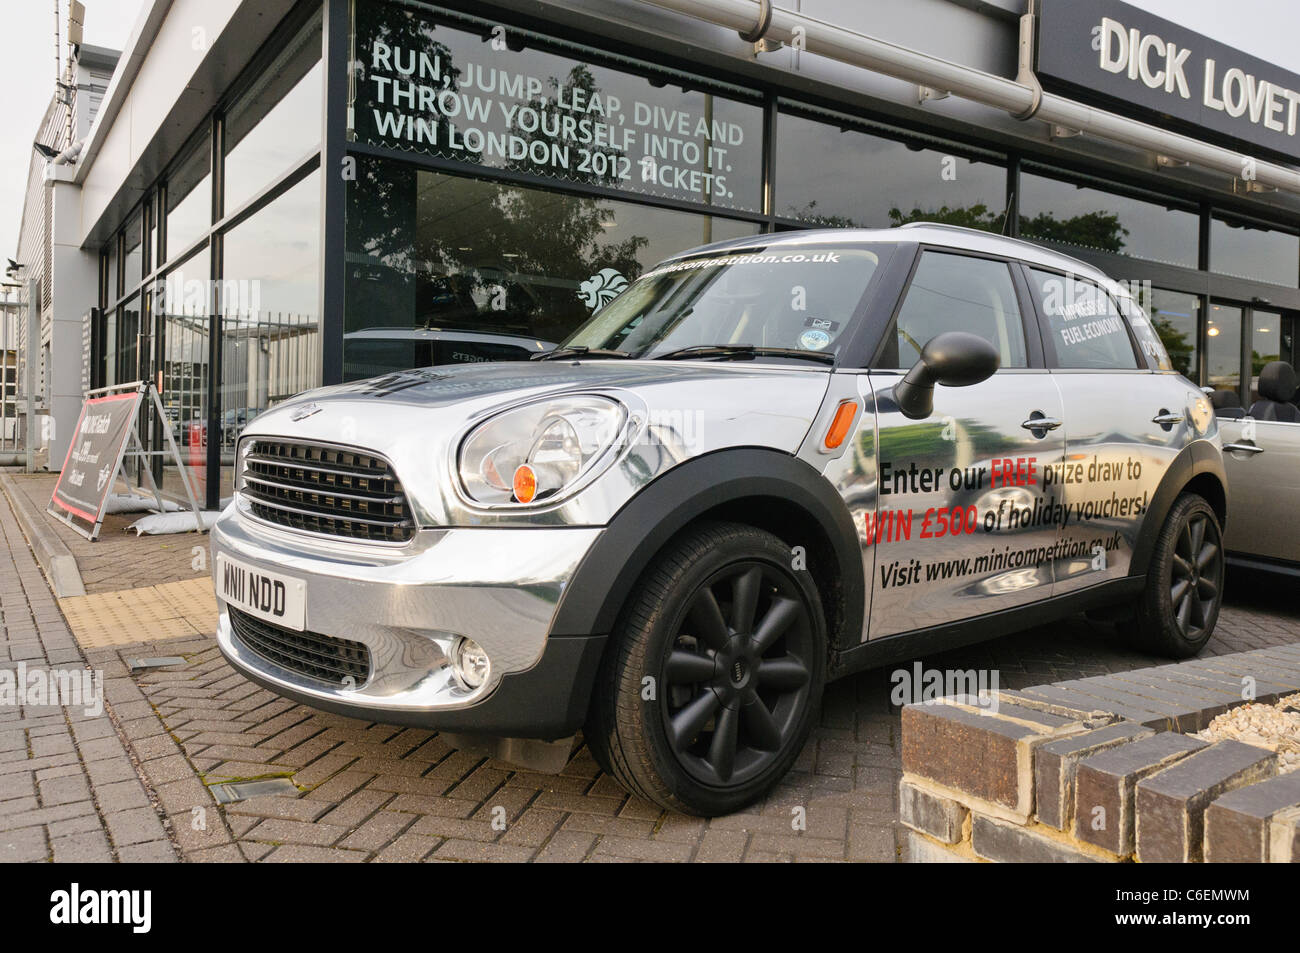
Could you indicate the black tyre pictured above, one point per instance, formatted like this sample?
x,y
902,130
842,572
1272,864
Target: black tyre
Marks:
x,y
712,682
1176,615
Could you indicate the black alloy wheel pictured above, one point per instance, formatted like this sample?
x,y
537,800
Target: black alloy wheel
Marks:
x,y
1176,614
1196,575
713,676
735,677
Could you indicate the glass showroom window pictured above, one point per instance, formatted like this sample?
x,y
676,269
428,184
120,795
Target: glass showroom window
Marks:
x,y
106,358
133,252
1251,252
152,253
1269,341
429,88
108,349
128,340
1223,348
1064,213
183,311
114,279
444,269
276,122
835,175
189,200
1175,317
270,310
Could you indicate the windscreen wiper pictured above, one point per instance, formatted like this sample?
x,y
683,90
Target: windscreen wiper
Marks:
x,y
579,350
742,350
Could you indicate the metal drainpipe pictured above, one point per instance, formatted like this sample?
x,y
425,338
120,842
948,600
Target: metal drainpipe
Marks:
x,y
856,49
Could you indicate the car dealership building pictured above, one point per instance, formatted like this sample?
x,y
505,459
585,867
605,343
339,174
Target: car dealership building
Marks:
x,y
275,195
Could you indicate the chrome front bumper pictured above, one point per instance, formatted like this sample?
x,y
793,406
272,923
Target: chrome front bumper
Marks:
x,y
409,605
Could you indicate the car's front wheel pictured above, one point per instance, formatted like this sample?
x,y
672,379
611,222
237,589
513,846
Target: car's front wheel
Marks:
x,y
1177,612
710,687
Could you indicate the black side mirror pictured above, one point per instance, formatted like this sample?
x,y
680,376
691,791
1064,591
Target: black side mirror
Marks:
x,y
954,359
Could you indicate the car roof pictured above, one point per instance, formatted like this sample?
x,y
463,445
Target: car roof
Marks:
x,y
925,233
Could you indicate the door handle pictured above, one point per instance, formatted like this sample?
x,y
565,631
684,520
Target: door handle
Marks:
x,y
1167,419
1040,423
1244,448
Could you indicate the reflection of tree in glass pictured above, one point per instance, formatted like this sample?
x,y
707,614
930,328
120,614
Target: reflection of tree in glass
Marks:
x,y
974,216
1180,350
557,237
924,442
1093,229
809,213
405,31
598,171
1258,361
506,259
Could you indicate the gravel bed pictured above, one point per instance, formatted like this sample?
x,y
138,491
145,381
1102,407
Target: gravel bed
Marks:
x,y
1275,727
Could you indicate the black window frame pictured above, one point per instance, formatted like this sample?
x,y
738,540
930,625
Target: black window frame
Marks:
x,y
1031,329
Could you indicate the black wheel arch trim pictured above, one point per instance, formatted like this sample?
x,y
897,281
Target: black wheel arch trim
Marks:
x,y
921,643
1198,458
604,579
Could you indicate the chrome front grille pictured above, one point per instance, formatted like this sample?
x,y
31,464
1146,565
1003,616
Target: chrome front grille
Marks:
x,y
336,491
320,657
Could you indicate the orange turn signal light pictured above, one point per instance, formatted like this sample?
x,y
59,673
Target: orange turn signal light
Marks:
x,y
840,423
525,484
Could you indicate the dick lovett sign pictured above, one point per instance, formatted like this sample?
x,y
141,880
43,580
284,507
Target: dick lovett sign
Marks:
x,y
1098,47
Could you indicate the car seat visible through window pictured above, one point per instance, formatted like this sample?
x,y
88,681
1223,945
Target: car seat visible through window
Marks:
x,y
1227,404
1277,387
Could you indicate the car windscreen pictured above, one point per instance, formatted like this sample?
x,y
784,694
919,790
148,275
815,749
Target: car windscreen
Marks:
x,y
802,298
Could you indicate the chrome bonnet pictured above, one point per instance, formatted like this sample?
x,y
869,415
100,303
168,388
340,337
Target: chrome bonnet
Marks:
x,y
417,420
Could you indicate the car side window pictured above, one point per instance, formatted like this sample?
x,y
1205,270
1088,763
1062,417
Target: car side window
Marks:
x,y
950,292
1146,334
1086,329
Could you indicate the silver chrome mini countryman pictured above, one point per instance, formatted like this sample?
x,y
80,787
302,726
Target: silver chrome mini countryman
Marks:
x,y
768,463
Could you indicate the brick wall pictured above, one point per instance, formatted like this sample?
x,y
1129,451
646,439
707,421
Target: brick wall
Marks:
x,y
1101,770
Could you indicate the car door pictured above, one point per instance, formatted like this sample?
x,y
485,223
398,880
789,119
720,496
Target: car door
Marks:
x,y
962,523
1124,425
1262,461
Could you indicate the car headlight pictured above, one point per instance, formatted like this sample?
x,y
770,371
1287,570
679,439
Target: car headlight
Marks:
x,y
534,454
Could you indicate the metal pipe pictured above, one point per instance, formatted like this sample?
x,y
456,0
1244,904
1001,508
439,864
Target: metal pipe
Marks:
x,y
4,370
30,357
881,56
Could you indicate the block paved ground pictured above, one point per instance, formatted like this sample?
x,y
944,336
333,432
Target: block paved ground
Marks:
x,y
68,788
118,559
138,783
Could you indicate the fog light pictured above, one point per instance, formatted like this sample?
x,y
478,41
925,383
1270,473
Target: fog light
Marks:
x,y
471,663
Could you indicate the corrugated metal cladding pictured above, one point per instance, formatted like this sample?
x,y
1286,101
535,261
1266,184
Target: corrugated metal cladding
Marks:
x,y
35,248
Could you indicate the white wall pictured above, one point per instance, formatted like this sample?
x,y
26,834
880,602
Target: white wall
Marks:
x,y
165,70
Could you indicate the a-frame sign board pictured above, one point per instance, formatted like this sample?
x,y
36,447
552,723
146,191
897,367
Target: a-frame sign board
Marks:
x,y
107,434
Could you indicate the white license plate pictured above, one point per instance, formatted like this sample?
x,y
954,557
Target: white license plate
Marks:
x,y
268,595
